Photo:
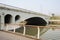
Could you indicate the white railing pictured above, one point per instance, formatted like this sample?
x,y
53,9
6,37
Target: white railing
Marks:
x,y
38,28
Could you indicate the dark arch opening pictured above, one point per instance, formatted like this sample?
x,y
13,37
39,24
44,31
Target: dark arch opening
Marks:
x,y
17,17
36,21
8,18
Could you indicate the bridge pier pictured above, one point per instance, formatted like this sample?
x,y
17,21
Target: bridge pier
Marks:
x,y
2,21
13,21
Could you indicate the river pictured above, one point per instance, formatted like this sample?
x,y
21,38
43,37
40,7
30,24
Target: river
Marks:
x,y
51,35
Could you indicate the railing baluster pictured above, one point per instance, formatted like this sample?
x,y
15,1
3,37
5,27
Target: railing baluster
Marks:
x,y
24,31
38,33
14,30
6,27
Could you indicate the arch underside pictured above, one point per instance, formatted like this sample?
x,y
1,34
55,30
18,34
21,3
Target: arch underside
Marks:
x,y
17,17
36,21
8,18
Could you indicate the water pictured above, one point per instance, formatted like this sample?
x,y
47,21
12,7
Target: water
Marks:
x,y
51,35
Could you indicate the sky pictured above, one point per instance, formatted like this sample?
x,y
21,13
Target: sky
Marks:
x,y
43,6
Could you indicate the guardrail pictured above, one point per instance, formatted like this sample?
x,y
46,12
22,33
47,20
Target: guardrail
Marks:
x,y
38,28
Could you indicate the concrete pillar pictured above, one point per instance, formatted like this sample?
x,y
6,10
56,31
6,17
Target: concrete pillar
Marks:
x,y
13,19
13,23
2,21
38,32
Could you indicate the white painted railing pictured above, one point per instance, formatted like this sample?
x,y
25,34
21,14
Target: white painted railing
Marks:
x,y
38,28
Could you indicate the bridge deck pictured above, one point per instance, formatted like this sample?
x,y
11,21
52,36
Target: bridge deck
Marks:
x,y
9,36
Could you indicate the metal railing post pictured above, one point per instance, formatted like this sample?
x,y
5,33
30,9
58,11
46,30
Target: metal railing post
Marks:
x,y
23,24
24,31
14,29
6,27
38,33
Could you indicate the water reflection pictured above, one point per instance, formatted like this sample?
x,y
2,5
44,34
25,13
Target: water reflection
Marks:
x,y
51,35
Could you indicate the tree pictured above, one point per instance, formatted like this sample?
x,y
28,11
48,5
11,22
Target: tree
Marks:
x,y
53,16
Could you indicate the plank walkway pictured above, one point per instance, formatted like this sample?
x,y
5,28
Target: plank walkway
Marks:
x,y
9,36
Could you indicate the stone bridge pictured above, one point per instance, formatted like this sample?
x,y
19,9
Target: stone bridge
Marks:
x,y
14,15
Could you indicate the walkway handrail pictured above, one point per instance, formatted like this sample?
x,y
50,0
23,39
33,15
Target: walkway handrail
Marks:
x,y
35,26
49,26
38,28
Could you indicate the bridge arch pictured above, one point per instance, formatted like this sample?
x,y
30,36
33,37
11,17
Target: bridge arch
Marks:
x,y
17,17
36,21
8,18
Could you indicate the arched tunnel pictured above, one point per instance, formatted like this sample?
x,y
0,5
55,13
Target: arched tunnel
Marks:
x,y
36,21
